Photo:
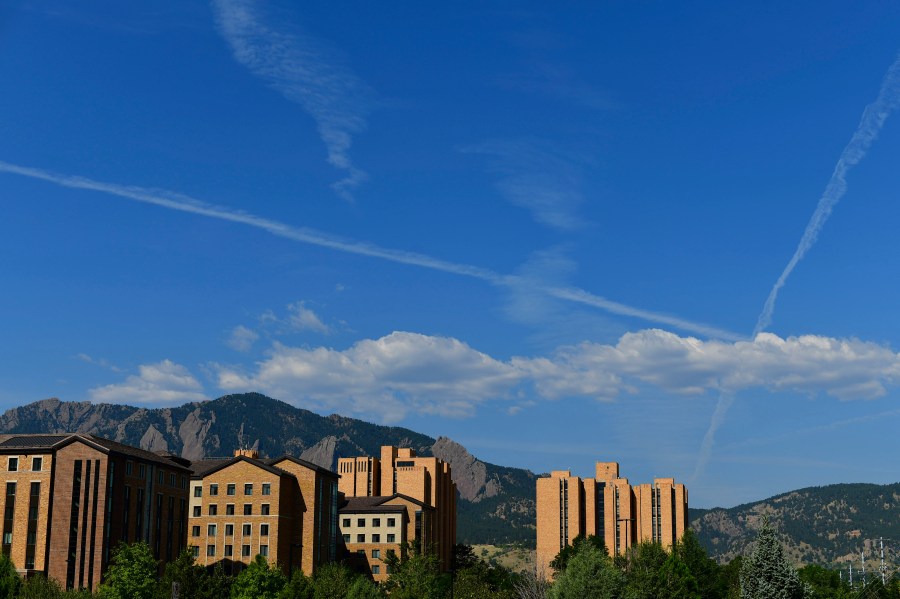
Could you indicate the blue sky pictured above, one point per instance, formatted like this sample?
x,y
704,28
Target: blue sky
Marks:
x,y
546,233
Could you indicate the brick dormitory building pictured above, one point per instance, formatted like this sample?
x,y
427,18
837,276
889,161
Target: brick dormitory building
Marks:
x,y
69,499
609,507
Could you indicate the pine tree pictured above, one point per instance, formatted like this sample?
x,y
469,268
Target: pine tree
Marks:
x,y
766,573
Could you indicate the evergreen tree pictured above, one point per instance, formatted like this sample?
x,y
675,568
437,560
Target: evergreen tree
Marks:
x,y
589,573
258,581
131,574
766,573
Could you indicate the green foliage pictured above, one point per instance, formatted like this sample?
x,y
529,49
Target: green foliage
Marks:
x,y
363,588
131,574
766,574
333,580
825,583
259,580
415,575
589,572
298,587
562,558
191,578
10,581
711,583
652,573
41,587
730,576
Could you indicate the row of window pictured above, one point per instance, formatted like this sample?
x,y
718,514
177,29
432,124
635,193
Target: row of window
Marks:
x,y
160,475
231,489
361,522
376,538
246,530
229,550
37,464
213,510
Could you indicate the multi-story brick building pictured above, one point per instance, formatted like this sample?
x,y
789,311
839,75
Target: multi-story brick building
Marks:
x,y
399,471
284,509
608,507
69,499
374,527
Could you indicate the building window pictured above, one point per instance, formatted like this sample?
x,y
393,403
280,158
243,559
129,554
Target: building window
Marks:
x,y
376,569
346,538
213,489
128,466
266,489
376,538
361,553
245,550
376,553
195,550
31,534
264,509
173,480
264,550
183,483
229,509
161,478
213,509
142,472
198,491
248,509
196,511
392,522
37,464
229,550
390,552
390,538
229,530
248,488
211,550
360,538
195,531
13,464
361,522
263,530
246,530
345,523
376,522
230,489
211,530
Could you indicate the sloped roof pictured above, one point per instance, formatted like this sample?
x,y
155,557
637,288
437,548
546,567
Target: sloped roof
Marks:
x,y
304,463
204,468
45,442
379,503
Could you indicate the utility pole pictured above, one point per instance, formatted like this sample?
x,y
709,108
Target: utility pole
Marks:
x,y
881,542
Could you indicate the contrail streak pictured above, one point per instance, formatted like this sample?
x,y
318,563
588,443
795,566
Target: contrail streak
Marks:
x,y
184,203
870,125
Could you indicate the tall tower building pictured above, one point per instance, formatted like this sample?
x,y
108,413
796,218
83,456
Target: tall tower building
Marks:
x,y
608,507
399,471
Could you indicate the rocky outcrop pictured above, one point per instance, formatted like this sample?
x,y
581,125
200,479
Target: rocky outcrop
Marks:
x,y
469,474
153,440
193,432
322,453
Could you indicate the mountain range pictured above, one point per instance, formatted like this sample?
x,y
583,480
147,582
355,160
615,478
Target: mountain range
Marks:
x,y
824,525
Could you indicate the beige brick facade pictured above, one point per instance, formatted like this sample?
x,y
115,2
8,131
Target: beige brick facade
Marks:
x,y
65,513
283,509
400,471
609,507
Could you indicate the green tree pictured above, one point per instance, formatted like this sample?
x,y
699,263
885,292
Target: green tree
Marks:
x,y
192,579
562,558
363,588
677,580
218,583
766,573
589,572
258,581
415,575
131,574
710,582
10,581
300,586
643,563
333,580
41,587
825,583
730,578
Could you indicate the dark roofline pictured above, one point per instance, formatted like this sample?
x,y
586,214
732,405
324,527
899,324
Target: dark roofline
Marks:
x,y
101,444
380,501
305,464
368,509
258,463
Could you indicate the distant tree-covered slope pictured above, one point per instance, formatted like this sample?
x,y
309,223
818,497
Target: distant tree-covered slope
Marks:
x,y
823,525
496,502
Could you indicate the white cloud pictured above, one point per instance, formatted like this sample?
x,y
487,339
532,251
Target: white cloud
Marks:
x,y
242,338
402,372
102,362
301,318
302,69
163,383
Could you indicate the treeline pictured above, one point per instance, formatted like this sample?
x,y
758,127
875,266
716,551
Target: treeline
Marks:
x,y
580,571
